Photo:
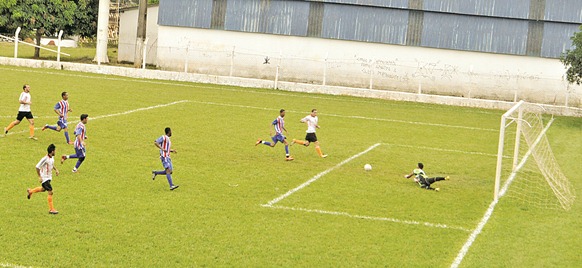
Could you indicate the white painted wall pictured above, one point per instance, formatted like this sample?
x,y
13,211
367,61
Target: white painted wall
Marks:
x,y
366,65
128,34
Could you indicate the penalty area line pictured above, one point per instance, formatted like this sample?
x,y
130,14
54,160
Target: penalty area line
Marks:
x,y
10,265
318,176
374,218
116,114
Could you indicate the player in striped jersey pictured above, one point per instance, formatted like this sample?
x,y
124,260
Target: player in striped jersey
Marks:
x,y
312,123
423,180
62,108
80,137
279,125
164,144
44,169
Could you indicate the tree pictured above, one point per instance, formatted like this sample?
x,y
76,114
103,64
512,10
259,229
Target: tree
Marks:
x,y
572,59
40,16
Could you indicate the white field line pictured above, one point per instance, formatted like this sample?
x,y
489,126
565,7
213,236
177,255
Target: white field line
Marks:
x,y
109,115
442,150
349,116
318,176
337,213
220,87
10,265
491,208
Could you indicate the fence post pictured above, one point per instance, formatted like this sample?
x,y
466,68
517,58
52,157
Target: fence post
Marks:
x,y
145,48
16,42
232,61
277,72
372,69
187,58
325,68
59,46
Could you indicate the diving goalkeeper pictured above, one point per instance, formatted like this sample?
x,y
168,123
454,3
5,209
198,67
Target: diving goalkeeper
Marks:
x,y
423,180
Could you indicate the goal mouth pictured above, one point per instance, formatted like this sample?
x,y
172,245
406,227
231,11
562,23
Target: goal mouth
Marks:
x,y
525,160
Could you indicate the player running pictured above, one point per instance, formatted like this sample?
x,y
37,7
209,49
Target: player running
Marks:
x,y
423,180
311,121
279,125
62,109
44,169
164,144
80,137
25,101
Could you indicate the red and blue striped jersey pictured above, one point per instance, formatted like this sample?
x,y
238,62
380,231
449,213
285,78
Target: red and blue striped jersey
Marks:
x,y
279,124
80,132
165,143
63,107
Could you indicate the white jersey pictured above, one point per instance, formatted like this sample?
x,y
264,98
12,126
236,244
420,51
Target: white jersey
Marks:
x,y
311,123
46,165
24,96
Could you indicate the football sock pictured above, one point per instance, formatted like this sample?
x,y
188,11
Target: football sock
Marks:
x,y
439,179
72,156
31,130
66,135
169,176
10,126
78,164
266,143
287,149
318,150
36,190
51,127
299,142
160,172
50,202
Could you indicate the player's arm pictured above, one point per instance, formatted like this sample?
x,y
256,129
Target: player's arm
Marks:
x,y
38,166
409,175
58,109
23,101
157,145
56,170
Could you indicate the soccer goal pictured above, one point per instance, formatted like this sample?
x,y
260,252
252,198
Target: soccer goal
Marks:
x,y
526,163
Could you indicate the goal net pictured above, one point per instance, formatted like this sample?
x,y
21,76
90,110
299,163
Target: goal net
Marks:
x,y
526,163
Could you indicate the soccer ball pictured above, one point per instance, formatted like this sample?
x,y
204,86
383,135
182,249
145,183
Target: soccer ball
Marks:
x,y
367,167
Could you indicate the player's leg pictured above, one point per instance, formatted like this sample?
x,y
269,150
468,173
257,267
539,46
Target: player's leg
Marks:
x,y
287,155
13,123
48,187
169,170
34,190
30,126
55,128
159,172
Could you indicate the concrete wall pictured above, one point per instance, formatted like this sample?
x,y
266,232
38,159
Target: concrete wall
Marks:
x,y
366,65
288,86
128,34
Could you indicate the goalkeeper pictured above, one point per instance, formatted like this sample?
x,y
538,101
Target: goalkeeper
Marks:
x,y
423,180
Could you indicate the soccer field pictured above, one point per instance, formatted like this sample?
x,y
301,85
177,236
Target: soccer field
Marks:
x,y
243,205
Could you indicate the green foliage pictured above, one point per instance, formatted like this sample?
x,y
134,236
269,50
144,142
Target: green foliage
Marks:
x,y
572,59
113,215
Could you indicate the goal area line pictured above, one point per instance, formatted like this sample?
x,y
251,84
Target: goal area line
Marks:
x,y
272,203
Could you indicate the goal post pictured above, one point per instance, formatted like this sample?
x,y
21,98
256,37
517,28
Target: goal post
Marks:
x,y
525,158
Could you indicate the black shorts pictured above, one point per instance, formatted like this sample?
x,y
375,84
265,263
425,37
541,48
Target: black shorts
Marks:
x,y
47,185
22,115
310,137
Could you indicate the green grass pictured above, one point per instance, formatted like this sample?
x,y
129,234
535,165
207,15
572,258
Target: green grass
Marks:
x,y
113,214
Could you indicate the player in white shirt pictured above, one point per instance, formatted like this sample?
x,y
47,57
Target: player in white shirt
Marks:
x,y
44,169
312,123
24,111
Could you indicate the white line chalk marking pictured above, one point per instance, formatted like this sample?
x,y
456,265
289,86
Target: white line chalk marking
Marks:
x,y
337,213
109,115
318,176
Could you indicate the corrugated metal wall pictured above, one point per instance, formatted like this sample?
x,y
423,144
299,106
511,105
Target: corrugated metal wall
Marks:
x,y
474,33
185,13
522,27
564,10
368,24
498,8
